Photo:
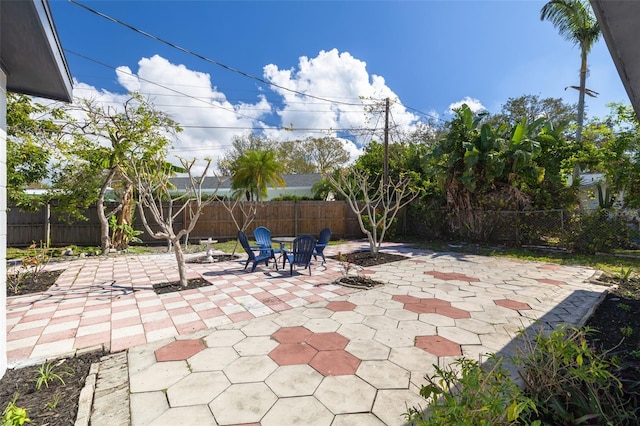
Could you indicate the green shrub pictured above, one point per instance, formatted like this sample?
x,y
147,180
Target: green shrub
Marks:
x,y
468,394
569,382
600,231
565,383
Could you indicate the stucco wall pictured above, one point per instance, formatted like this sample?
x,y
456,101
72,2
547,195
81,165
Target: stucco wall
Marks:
x,y
3,223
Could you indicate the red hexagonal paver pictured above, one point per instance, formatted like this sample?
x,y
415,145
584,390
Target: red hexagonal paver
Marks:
x,y
291,335
403,298
340,306
512,304
419,308
179,350
335,363
434,302
451,312
550,281
447,276
438,346
292,353
328,341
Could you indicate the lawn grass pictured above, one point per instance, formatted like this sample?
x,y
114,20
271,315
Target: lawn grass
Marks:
x,y
613,264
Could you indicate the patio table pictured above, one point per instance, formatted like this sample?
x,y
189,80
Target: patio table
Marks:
x,y
283,241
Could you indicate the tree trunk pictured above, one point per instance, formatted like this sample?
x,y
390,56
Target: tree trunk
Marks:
x,y
182,272
120,239
583,89
105,241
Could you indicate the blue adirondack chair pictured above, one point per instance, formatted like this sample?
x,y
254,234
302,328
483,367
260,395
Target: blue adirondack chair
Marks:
x,y
262,235
303,247
262,256
323,241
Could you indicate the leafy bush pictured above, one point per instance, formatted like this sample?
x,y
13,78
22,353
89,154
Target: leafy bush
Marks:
x,y
599,231
569,382
565,383
468,394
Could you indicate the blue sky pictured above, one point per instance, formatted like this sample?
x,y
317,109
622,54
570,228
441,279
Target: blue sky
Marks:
x,y
428,55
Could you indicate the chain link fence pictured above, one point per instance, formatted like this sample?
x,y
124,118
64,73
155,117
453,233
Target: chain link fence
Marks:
x,y
601,230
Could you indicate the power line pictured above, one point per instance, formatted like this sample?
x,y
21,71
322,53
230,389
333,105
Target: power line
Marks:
x,y
173,90
202,57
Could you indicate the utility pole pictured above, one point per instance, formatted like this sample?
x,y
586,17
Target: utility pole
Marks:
x,y
385,175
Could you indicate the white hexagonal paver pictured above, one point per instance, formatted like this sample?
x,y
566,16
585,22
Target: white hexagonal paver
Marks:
x,y
347,317
260,328
390,405
212,359
389,304
197,415
367,419
197,389
356,331
412,358
401,314
242,403
250,369
368,349
380,322
474,325
418,328
303,410
369,310
395,338
383,374
159,376
317,313
222,338
437,320
146,406
259,345
143,356
294,380
321,325
346,394
290,319
459,335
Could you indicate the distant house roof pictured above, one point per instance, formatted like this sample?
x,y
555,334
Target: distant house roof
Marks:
x,y
293,181
30,51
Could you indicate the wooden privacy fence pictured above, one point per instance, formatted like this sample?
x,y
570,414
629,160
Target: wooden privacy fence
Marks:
x,y
283,218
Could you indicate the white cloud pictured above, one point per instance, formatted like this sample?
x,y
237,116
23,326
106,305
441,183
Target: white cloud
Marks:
x,y
337,77
210,121
474,104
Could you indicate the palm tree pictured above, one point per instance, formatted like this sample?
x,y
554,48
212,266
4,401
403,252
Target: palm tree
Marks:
x,y
576,22
254,171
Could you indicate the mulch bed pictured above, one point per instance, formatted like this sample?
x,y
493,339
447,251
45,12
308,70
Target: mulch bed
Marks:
x,y
366,258
620,309
163,288
52,405
44,281
363,259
